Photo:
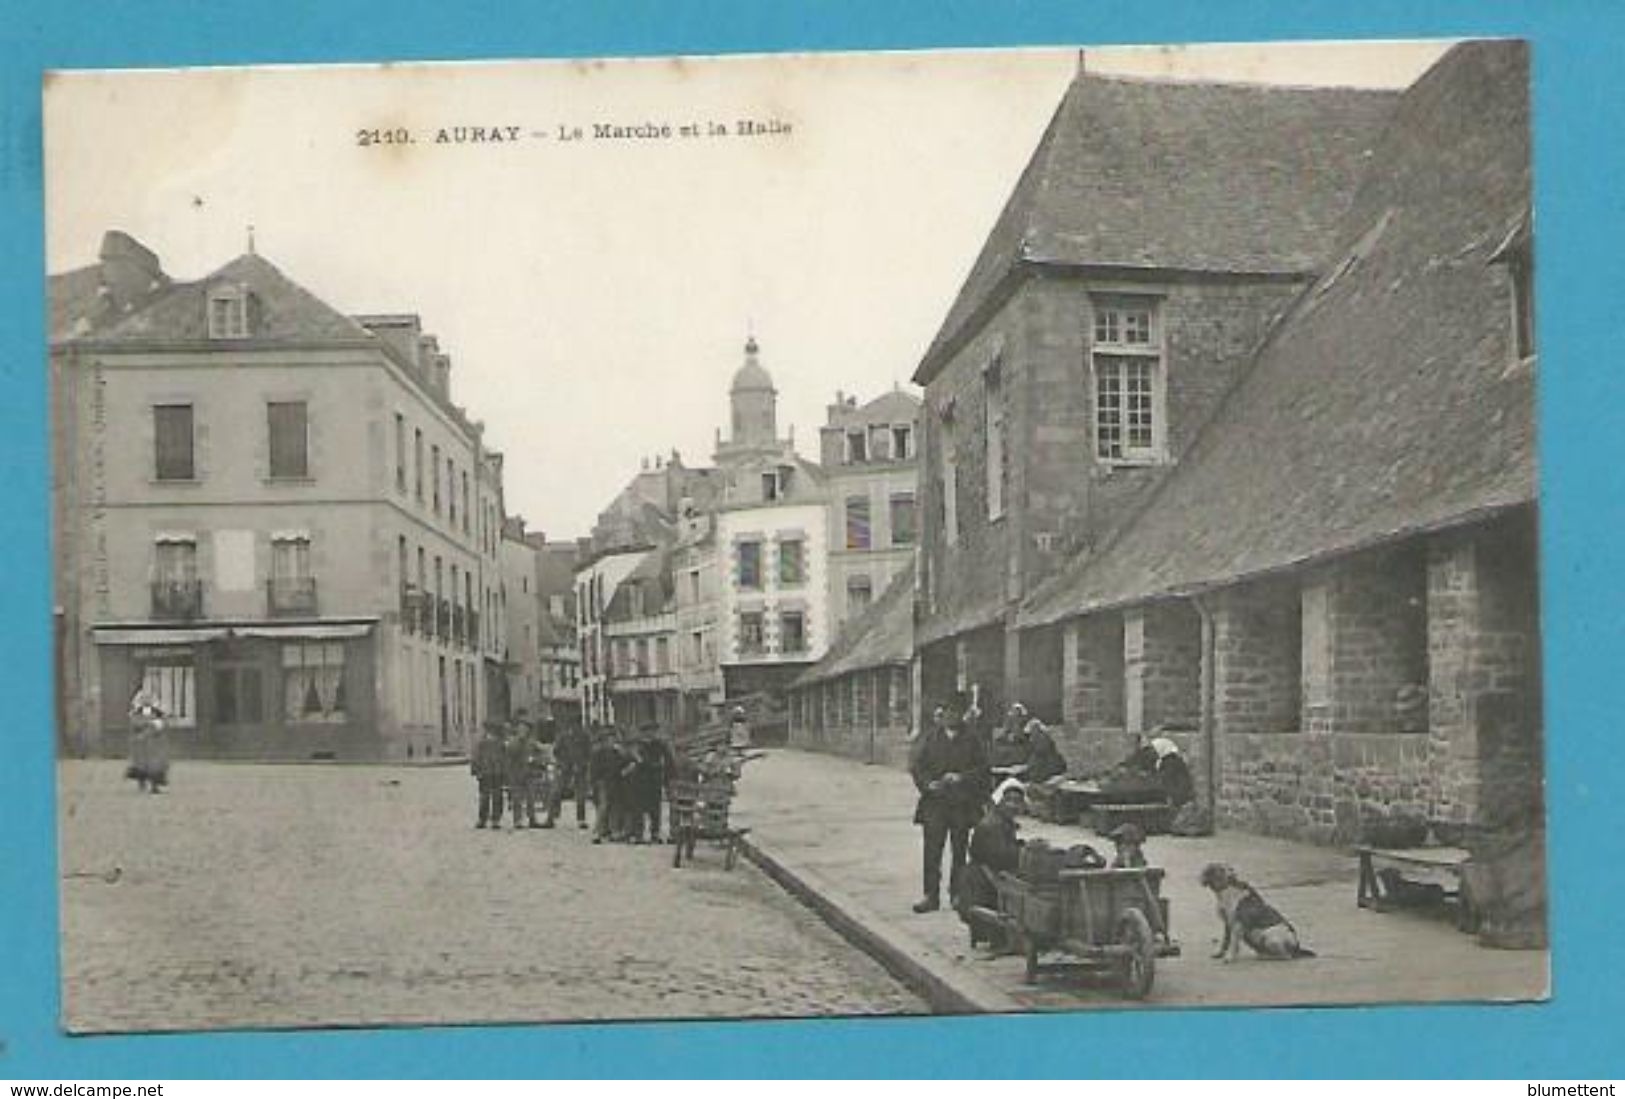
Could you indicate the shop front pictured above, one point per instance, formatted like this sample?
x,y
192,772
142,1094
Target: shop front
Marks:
x,y
253,692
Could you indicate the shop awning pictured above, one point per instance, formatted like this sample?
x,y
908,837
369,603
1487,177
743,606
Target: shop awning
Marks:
x,y
109,635
190,635
312,631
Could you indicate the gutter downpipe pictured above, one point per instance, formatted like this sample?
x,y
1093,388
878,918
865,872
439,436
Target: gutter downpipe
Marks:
x,y
1209,722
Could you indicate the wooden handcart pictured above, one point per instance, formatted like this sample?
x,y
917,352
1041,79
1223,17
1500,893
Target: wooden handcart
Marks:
x,y
1107,920
699,811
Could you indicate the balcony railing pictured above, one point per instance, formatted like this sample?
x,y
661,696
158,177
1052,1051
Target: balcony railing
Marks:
x,y
177,599
291,595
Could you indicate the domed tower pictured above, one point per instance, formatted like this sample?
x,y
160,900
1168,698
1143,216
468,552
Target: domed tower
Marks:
x,y
754,424
754,400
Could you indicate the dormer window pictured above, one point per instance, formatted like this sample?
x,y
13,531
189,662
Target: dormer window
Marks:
x,y
857,448
228,313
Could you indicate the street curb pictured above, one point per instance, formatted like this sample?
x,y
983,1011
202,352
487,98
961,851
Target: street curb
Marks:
x,y
938,979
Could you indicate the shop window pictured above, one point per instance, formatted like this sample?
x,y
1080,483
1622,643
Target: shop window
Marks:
x,y
175,689
313,682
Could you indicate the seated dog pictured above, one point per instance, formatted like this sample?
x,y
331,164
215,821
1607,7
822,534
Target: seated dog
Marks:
x,y
1248,918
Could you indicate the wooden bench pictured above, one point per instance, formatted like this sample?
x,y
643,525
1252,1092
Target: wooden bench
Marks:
x,y
1439,861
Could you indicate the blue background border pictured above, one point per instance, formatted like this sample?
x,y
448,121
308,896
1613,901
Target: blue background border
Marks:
x,y
1579,102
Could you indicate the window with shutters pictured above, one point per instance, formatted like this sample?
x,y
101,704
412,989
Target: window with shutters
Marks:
x,y
290,441
172,433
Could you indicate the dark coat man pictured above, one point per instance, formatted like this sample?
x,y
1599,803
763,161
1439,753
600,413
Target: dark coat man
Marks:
x,y
607,767
520,764
572,752
950,771
488,765
651,777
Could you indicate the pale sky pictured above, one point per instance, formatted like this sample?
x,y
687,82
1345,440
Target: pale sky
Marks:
x,y
595,295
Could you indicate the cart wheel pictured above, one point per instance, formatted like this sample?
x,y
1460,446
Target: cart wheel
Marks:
x,y
1032,960
732,856
1137,965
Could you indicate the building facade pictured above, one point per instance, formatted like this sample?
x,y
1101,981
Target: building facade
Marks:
x,y
265,515
559,652
1104,320
870,468
596,580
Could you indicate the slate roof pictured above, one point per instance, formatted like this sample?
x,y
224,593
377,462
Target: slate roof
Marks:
x,y
882,636
1149,174
283,310
76,302
1388,401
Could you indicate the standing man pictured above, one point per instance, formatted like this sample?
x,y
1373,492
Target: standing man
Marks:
x,y
950,772
650,780
519,773
605,767
487,764
572,752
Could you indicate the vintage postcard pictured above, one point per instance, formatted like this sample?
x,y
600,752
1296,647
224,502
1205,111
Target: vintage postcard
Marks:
x,y
804,535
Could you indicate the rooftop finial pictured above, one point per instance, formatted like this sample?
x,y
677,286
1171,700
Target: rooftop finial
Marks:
x,y
251,238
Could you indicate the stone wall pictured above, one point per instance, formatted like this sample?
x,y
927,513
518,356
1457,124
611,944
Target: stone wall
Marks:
x,y
1092,663
1257,659
1321,787
1162,666
1485,690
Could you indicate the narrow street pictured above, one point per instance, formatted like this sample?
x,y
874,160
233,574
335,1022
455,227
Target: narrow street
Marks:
x,y
290,896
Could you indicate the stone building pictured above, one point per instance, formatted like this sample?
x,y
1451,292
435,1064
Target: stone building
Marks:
x,y
857,701
597,579
267,512
698,581
771,547
1332,601
641,630
558,652
522,641
1157,232
870,469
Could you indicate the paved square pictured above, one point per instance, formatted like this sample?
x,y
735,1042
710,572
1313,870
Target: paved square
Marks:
x,y
288,896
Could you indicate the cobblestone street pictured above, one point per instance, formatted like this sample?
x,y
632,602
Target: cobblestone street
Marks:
x,y
287,896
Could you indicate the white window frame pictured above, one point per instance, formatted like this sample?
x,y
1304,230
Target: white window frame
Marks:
x,y
1110,340
232,322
